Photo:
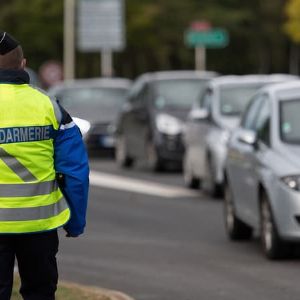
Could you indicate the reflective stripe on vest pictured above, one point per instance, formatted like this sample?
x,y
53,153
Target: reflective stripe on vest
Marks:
x,y
33,213
28,190
30,198
16,166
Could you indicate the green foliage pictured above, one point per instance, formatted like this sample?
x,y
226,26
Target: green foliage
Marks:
x,y
37,24
155,32
292,26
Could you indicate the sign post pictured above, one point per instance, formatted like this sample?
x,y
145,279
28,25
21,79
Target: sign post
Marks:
x,y
69,49
101,29
106,63
201,36
200,58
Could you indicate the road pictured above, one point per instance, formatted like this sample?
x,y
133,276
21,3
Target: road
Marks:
x,y
150,238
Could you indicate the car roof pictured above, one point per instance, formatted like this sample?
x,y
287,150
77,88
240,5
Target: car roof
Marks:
x,y
93,82
284,90
235,80
185,74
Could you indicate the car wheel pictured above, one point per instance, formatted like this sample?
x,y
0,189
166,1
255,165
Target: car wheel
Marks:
x,y
190,180
213,188
235,228
154,162
273,246
121,154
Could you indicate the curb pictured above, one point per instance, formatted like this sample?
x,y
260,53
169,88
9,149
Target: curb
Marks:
x,y
110,294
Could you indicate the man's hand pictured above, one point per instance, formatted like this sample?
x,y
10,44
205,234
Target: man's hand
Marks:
x,y
71,235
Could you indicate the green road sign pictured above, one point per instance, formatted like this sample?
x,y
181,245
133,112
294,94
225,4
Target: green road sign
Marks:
x,y
213,38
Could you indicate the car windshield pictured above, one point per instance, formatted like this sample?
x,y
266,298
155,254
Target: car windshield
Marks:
x,y
177,93
92,102
234,99
289,121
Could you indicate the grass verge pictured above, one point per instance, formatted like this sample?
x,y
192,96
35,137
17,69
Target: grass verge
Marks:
x,y
68,291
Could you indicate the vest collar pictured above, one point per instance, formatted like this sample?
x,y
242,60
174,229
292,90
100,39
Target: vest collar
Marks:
x,y
14,76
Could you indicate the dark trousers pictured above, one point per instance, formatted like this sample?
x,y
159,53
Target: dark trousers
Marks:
x,y
36,256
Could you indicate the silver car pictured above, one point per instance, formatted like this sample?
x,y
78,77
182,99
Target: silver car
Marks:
x,y
262,190
209,125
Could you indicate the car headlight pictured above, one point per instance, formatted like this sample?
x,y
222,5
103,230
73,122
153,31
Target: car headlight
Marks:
x,y
83,125
168,124
292,182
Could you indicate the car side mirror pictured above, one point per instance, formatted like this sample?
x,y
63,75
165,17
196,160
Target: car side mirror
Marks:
x,y
198,115
247,137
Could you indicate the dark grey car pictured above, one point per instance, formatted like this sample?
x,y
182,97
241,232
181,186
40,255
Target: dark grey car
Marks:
x,y
94,105
151,123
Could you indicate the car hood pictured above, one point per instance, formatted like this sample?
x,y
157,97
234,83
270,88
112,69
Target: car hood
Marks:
x,y
180,114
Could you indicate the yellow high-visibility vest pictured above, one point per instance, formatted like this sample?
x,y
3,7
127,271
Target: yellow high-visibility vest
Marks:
x,y
30,198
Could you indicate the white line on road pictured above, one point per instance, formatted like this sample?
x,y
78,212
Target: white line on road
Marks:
x,y
117,182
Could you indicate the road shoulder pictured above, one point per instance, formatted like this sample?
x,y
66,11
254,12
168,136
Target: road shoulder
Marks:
x,y
100,293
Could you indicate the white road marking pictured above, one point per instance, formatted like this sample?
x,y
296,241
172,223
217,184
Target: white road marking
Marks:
x,y
122,183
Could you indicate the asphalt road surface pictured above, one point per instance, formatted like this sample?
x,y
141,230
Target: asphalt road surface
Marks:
x,y
154,240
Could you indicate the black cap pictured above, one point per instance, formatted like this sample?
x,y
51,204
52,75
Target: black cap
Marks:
x,y
7,43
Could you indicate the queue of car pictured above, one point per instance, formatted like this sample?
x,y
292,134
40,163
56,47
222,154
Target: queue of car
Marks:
x,y
213,116
234,136
255,161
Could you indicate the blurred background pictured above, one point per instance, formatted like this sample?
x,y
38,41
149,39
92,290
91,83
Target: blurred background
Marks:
x,y
263,35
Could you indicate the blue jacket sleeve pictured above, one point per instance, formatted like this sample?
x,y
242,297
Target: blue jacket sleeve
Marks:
x,y
71,160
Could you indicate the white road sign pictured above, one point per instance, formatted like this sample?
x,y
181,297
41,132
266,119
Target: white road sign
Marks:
x,y
100,25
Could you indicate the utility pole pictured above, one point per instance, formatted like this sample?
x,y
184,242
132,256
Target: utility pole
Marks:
x,y
200,58
106,63
69,39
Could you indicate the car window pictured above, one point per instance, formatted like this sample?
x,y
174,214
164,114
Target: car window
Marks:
x,y
263,133
289,121
206,99
177,93
263,114
262,123
136,91
249,117
92,102
144,95
234,99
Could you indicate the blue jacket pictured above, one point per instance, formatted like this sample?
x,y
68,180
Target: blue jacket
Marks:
x,y
71,161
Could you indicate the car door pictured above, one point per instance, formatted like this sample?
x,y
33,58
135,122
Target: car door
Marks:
x,y
256,159
241,162
199,131
139,119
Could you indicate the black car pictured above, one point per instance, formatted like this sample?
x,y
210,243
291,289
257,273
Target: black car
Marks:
x,y
151,122
94,105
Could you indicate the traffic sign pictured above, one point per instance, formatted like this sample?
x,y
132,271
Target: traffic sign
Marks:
x,y
101,25
213,38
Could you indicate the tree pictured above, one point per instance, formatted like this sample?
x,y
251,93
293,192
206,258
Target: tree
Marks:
x,y
155,32
292,25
